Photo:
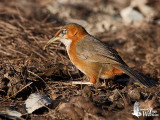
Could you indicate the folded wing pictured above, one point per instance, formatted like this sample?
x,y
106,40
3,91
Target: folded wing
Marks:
x,y
104,54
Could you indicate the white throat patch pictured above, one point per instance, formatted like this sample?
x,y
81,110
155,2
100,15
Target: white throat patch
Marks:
x,y
66,42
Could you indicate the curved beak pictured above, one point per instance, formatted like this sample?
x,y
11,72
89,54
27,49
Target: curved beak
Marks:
x,y
51,41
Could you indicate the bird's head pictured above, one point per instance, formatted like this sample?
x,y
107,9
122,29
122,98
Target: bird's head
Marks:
x,y
67,34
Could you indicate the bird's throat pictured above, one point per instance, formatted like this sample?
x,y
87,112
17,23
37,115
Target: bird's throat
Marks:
x,y
67,43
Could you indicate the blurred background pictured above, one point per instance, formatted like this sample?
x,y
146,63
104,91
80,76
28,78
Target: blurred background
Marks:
x,y
132,27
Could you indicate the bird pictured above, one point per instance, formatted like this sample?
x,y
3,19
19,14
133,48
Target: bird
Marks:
x,y
92,57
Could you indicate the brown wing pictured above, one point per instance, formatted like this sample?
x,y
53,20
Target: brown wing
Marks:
x,y
91,49
98,51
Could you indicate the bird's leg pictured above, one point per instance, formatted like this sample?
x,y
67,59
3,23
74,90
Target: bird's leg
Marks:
x,y
98,83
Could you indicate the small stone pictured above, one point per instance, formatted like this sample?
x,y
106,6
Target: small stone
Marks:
x,y
134,94
130,15
36,101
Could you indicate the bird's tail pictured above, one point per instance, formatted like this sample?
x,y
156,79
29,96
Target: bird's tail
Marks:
x,y
136,76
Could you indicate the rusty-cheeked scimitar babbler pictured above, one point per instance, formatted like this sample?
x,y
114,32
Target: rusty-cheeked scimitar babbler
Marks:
x,y
92,57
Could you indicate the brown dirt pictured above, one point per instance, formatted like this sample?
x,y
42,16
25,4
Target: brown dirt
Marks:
x,y
25,68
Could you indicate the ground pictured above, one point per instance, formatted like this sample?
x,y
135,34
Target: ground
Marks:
x,y
25,68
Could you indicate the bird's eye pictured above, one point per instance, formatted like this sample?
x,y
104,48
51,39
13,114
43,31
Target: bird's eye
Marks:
x,y
63,32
